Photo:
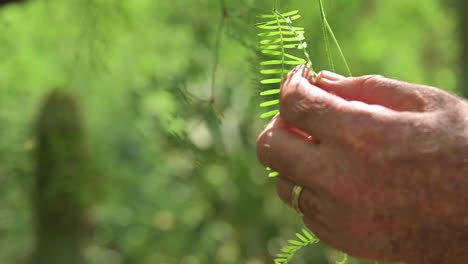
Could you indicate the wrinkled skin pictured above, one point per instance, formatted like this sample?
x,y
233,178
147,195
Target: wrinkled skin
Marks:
x,y
386,175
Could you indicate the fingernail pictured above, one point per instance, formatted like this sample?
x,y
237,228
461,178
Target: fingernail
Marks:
x,y
302,69
330,76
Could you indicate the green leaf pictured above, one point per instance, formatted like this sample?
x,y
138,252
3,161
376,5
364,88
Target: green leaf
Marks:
x,y
279,62
273,174
289,249
292,57
272,52
302,238
266,16
287,27
289,46
295,242
273,27
274,71
271,92
296,29
270,47
271,62
269,81
279,40
276,33
271,22
296,17
269,114
297,62
309,235
280,261
269,103
290,13
282,26
271,41
274,22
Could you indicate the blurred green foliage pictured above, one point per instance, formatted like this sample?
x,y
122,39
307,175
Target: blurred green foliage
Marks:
x,y
180,187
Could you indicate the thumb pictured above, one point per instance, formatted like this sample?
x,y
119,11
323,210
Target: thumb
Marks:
x,y
374,90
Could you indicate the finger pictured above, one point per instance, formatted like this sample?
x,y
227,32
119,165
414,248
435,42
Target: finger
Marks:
x,y
322,114
325,234
313,203
339,238
327,228
375,89
302,161
334,229
308,200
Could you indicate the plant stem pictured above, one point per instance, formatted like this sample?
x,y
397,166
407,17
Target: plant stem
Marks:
x,y
343,58
282,41
219,35
306,54
325,36
216,57
328,30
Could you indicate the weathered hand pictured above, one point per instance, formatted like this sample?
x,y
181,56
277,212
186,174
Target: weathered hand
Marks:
x,y
388,179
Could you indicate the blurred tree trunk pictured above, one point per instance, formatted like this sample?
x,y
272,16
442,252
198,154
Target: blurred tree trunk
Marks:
x,y
463,28
61,194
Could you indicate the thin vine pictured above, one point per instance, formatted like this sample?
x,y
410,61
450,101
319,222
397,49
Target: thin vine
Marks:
x,y
212,101
327,30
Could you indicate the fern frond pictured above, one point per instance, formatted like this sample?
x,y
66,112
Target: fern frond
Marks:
x,y
287,253
280,38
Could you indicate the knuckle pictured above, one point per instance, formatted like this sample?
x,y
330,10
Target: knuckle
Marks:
x,y
290,97
422,136
298,105
293,106
370,81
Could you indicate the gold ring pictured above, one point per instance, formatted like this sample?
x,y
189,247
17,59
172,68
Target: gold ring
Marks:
x,y
296,194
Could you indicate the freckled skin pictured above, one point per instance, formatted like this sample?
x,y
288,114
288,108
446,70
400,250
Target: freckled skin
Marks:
x,y
386,176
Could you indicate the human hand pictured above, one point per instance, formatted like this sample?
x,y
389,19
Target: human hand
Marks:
x,y
387,175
